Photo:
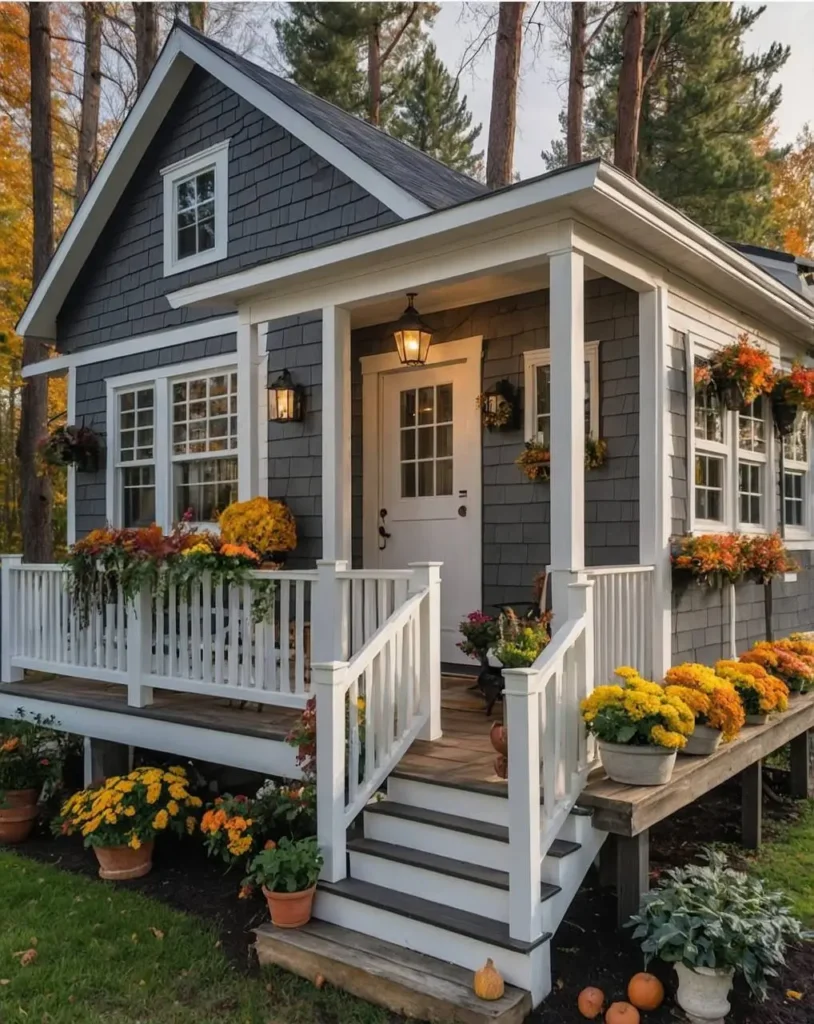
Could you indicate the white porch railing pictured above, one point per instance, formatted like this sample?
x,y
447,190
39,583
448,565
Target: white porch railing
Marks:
x,y
549,756
372,707
623,619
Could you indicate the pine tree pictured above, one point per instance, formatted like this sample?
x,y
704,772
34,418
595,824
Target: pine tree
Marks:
x,y
433,118
705,104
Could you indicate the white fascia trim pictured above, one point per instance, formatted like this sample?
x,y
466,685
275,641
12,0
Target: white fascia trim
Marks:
x,y
466,215
216,157
141,124
639,200
131,346
377,184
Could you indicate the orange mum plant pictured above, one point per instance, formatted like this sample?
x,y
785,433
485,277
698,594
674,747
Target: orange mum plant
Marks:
x,y
797,387
760,692
789,660
714,700
745,364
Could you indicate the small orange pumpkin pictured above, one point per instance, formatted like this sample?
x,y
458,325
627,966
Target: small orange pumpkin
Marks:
x,y
590,1002
622,1013
488,983
645,991
319,981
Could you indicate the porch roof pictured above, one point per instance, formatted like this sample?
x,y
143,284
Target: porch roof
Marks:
x,y
620,224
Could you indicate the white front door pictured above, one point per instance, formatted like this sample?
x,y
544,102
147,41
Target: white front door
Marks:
x,y
429,481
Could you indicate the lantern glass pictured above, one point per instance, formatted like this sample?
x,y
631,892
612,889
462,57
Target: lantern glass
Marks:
x,y
285,401
413,336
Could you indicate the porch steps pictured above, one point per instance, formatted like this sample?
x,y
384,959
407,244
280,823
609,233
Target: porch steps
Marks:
x,y
405,982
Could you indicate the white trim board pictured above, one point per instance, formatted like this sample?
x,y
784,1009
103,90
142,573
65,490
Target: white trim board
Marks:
x,y
216,159
180,54
139,343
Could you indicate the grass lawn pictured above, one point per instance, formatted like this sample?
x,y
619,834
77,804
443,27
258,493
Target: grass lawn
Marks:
x,y
787,863
108,956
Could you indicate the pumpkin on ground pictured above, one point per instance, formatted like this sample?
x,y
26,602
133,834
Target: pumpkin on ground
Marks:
x,y
488,983
590,1002
645,991
622,1013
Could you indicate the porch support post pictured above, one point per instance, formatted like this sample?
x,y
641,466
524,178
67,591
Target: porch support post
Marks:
x,y
522,711
428,575
567,291
71,472
139,649
801,788
752,806
336,447
654,470
249,362
328,686
8,611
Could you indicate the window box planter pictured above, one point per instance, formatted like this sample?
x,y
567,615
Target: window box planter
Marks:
x,y
18,812
637,766
121,863
703,741
703,992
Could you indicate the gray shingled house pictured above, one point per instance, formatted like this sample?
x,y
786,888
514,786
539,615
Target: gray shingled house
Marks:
x,y
241,229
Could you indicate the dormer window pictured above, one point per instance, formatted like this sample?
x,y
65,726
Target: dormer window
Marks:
x,y
196,194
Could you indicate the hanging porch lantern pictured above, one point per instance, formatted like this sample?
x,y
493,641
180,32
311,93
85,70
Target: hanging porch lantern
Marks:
x,y
412,335
285,400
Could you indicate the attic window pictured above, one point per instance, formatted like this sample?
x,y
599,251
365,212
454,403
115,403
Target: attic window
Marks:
x,y
196,193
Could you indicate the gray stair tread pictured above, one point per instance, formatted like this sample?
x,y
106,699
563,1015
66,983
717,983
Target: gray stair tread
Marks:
x,y
498,788
462,922
441,865
457,823
390,975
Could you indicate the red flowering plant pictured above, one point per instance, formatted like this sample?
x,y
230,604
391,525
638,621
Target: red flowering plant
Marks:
x,y
702,377
745,365
480,632
31,754
711,558
766,557
303,736
796,388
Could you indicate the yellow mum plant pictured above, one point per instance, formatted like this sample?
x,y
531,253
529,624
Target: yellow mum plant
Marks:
x,y
714,700
638,712
264,525
130,810
760,693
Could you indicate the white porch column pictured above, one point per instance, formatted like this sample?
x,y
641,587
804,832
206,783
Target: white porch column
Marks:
x,y
249,362
336,460
567,341
654,467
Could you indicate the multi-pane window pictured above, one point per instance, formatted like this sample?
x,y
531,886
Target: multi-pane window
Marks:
x,y
750,492
795,451
709,421
752,427
538,393
425,422
793,499
135,456
752,448
195,214
204,436
709,487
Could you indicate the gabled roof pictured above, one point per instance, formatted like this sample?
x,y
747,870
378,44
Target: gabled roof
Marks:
x,y
403,179
421,175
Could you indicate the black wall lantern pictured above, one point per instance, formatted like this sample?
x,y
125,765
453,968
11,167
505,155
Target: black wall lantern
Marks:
x,y
285,400
412,335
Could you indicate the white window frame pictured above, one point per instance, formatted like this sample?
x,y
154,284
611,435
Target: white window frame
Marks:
x,y
121,465
535,358
716,449
761,459
802,532
162,378
216,158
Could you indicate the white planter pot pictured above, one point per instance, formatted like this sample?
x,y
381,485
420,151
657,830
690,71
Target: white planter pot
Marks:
x,y
637,766
703,993
757,719
703,741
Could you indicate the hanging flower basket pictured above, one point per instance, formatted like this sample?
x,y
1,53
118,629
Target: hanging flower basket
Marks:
x,y
535,459
742,372
702,377
792,393
72,446
731,394
500,406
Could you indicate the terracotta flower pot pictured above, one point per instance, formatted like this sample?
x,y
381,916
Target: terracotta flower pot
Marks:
x,y
703,741
120,863
290,909
18,812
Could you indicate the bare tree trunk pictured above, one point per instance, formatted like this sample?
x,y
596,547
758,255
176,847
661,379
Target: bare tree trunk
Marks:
x,y
36,488
146,31
91,95
503,117
197,15
576,83
629,103
374,74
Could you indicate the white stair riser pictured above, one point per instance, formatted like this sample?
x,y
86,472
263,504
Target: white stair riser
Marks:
x,y
528,971
431,839
467,804
577,828
430,885
569,873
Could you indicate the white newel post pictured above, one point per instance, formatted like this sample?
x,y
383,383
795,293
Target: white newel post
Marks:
x,y
140,649
327,684
567,341
8,674
336,430
428,575
522,711
581,604
655,513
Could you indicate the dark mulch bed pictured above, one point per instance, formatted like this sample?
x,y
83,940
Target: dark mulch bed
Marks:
x,y
587,949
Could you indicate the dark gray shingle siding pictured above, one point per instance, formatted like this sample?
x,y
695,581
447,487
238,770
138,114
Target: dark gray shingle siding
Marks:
x,y
283,199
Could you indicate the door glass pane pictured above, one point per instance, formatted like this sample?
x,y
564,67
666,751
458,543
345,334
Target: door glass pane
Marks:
x,y
408,480
425,479
407,408
425,418
443,440
407,444
425,447
443,476
426,405
444,402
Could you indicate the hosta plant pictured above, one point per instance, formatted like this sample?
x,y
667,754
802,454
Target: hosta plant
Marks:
x,y
712,916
